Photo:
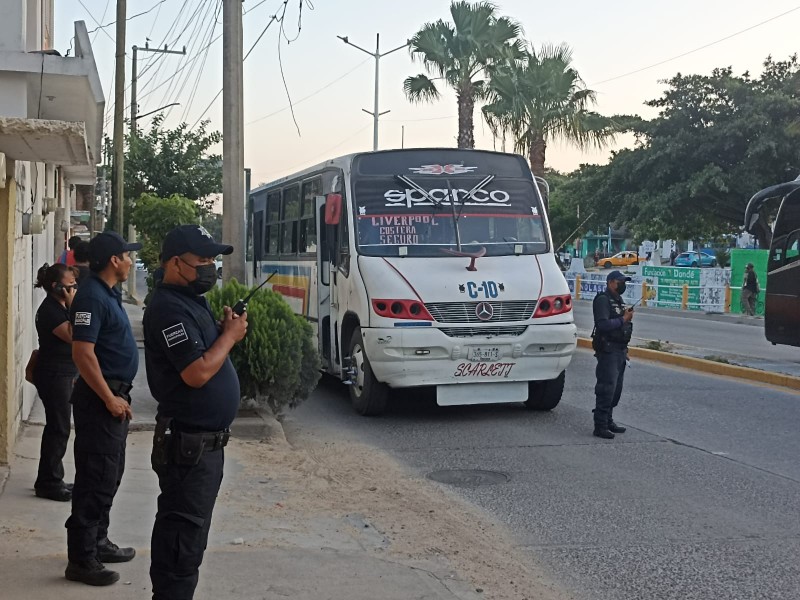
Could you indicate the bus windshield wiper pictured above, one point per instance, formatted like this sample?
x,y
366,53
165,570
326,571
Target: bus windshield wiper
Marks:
x,y
416,187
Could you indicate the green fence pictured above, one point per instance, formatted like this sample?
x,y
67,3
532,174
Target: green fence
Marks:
x,y
739,260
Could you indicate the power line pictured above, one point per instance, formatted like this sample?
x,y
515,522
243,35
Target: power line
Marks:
x,y
159,3
95,20
727,37
193,93
312,94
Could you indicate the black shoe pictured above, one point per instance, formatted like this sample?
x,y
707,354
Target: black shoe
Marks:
x,y
614,428
90,572
603,433
69,486
61,494
109,552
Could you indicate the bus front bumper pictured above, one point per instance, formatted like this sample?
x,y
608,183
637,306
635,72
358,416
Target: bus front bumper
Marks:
x,y
424,356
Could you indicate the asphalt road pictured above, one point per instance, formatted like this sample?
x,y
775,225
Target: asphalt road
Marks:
x,y
700,499
740,339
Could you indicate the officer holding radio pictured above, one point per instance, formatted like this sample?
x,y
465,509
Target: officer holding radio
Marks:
x,y
193,380
613,327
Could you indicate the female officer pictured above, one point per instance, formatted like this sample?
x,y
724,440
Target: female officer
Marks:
x,y
53,377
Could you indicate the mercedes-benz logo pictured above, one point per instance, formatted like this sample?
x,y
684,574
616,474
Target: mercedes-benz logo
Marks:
x,y
484,311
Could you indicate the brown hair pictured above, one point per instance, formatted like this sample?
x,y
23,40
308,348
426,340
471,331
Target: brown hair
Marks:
x,y
50,274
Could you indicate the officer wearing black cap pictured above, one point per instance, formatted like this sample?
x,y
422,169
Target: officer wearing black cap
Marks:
x,y
197,389
613,327
105,353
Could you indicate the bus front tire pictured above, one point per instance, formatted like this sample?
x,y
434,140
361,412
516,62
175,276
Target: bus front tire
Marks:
x,y
367,395
545,395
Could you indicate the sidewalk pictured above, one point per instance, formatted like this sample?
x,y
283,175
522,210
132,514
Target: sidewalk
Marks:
x,y
252,554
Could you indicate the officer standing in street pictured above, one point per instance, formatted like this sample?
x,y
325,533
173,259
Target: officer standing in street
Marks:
x,y
105,353
613,327
197,390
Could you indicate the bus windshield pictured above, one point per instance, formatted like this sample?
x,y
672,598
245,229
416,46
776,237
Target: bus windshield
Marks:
x,y
426,215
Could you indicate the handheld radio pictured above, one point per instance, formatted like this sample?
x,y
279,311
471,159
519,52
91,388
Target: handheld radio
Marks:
x,y
241,305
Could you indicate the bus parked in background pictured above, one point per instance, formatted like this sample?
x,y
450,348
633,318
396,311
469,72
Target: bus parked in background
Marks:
x,y
782,304
427,267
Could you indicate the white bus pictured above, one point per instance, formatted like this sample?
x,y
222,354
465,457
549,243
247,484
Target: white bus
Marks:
x,y
421,267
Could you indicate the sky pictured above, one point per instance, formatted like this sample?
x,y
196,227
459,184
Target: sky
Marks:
x,y
623,49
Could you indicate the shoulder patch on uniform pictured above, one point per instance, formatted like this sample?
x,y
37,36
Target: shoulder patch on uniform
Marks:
x,y
175,335
83,318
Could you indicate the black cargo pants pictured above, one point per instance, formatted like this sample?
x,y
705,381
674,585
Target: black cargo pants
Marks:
x,y
610,373
100,440
180,533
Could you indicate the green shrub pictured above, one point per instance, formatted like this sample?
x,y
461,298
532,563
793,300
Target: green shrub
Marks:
x,y
278,363
723,257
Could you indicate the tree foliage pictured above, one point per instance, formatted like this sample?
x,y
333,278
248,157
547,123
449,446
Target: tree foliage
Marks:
x,y
154,217
542,98
460,53
163,162
277,362
718,139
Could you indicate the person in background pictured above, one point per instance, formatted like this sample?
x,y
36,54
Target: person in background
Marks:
x,y
672,256
81,254
53,377
750,290
107,358
68,256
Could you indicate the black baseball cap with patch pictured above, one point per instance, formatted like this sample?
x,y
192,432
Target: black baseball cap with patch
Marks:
x,y
105,245
617,276
194,239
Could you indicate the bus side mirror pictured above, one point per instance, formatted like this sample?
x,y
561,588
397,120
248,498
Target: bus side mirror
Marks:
x,y
333,209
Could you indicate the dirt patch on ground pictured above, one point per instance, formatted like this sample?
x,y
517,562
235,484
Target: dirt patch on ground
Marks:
x,y
412,520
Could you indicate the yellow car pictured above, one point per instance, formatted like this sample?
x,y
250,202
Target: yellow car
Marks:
x,y
620,259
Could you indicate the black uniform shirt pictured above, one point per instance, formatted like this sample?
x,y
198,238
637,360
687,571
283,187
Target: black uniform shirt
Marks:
x,y
608,309
178,329
99,318
55,355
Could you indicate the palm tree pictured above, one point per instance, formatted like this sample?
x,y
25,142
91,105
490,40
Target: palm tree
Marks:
x,y
541,98
460,54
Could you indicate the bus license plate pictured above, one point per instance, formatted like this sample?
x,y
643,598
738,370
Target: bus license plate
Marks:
x,y
483,354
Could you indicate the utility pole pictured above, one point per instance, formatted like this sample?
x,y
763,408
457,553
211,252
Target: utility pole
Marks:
x,y
233,193
376,114
134,78
119,117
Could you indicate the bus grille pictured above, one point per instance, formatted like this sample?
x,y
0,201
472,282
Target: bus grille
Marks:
x,y
464,312
464,332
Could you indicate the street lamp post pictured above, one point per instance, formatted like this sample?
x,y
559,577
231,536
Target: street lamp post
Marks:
x,y
376,114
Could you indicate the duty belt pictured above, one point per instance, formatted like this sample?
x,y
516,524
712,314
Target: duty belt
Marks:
x,y
118,387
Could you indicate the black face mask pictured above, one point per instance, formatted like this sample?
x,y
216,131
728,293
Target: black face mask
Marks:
x,y
621,287
205,278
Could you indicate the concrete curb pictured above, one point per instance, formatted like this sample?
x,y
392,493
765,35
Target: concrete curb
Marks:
x,y
708,366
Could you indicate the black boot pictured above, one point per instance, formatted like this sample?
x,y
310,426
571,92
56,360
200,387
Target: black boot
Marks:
x,y
109,552
614,428
90,572
603,432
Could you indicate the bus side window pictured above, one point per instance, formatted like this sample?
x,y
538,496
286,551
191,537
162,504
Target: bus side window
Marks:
x,y
308,220
290,216
273,229
258,235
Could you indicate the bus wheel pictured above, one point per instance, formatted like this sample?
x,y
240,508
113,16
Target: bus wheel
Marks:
x,y
367,394
545,395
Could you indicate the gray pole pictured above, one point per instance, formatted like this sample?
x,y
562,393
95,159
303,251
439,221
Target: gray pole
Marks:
x,y
377,89
376,114
119,117
134,81
232,141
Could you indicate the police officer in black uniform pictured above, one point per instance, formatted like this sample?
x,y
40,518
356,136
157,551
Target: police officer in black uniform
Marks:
x,y
105,353
613,327
197,389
